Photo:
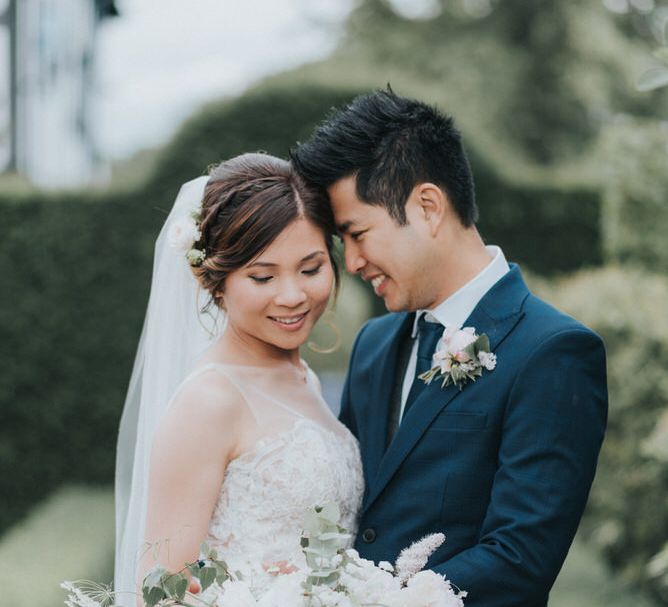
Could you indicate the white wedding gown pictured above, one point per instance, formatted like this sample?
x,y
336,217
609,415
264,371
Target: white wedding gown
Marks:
x,y
302,456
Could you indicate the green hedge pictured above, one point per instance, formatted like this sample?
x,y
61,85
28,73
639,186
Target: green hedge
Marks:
x,y
550,229
269,119
75,278
635,209
75,273
627,513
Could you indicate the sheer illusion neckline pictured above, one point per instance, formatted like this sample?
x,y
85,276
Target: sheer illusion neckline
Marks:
x,y
267,443
279,368
306,381
302,373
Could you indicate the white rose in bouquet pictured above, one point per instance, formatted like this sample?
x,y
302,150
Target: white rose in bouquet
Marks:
x,y
286,590
429,589
235,594
363,580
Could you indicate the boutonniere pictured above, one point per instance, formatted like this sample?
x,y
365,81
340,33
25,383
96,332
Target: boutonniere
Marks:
x,y
460,356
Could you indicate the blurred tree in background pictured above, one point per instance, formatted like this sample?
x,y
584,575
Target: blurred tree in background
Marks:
x,y
530,83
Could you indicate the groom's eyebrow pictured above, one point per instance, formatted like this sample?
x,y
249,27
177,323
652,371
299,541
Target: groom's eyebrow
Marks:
x,y
269,264
344,227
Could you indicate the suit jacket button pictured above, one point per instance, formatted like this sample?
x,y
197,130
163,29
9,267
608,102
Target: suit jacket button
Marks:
x,y
369,535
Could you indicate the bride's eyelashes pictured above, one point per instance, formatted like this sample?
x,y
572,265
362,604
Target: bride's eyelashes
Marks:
x,y
313,271
266,279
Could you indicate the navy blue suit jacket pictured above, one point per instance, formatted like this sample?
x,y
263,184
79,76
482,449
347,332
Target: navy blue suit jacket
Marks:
x,y
503,467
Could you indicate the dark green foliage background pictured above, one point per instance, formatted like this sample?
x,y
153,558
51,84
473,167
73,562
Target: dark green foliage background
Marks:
x,y
75,275
549,229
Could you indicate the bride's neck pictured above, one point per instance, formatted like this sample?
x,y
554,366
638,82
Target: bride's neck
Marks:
x,y
234,347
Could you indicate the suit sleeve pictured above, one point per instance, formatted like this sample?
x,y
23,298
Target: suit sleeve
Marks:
x,y
347,414
551,435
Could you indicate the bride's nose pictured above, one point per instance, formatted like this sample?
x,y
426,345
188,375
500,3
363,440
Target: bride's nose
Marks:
x,y
291,294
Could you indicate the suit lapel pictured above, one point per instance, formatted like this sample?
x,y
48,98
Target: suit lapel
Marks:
x,y
380,390
496,315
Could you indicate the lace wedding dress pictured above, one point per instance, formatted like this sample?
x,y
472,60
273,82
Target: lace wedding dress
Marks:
x,y
301,456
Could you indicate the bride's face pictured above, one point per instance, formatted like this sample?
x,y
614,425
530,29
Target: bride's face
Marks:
x,y
279,296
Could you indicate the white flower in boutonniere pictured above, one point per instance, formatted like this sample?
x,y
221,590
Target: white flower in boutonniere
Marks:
x,y
460,356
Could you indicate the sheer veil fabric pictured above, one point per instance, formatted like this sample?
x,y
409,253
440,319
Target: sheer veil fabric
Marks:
x,y
174,335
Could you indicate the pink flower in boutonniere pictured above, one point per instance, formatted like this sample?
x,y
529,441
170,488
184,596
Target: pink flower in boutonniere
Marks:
x,y
460,356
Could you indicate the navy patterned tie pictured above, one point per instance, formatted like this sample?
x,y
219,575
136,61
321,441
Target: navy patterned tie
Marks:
x,y
428,335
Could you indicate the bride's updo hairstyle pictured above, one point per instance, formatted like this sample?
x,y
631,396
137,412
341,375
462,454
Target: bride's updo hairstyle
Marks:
x,y
248,201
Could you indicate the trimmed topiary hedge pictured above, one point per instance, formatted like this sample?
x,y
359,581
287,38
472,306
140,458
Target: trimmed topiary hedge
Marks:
x,y
635,202
550,230
75,273
265,119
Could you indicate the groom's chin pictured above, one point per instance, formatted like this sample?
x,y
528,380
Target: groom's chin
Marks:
x,y
395,299
398,304
394,306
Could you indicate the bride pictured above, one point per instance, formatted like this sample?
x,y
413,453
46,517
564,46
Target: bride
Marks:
x,y
225,436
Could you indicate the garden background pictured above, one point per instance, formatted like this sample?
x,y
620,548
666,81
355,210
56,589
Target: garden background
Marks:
x,y
571,168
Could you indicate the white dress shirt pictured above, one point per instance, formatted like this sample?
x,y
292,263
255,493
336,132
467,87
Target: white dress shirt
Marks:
x,y
456,309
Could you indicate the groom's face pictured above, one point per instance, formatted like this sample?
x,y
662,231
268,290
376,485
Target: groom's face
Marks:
x,y
393,258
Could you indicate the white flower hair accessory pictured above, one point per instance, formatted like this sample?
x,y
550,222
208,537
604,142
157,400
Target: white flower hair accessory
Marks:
x,y
460,356
183,233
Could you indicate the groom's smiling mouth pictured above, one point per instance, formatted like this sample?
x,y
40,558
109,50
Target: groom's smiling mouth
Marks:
x,y
378,283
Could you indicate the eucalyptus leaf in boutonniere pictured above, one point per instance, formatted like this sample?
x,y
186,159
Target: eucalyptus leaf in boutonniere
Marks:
x,y
460,356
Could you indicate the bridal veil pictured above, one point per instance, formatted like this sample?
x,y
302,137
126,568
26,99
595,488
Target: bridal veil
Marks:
x,y
175,333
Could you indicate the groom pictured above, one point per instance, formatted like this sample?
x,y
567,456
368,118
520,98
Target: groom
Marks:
x,y
502,463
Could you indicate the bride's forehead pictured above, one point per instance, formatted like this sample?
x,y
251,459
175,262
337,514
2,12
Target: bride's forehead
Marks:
x,y
298,236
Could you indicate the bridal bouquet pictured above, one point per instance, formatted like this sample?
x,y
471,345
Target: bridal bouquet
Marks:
x,y
334,577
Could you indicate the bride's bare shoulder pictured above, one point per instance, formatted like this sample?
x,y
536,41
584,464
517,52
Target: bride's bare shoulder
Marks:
x,y
208,397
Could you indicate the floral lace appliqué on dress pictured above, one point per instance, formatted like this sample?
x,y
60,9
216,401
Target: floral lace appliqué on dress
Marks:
x,y
258,518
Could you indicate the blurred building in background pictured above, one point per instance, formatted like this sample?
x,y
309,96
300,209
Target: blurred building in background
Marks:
x,y
47,50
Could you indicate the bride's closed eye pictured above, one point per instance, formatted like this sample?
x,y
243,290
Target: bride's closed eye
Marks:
x,y
266,279
313,271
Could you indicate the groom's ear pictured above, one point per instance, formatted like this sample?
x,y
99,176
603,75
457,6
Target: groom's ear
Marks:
x,y
433,205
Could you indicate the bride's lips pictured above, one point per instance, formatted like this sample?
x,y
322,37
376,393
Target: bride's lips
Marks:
x,y
290,323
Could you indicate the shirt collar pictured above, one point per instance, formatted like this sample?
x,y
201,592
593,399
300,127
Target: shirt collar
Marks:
x,y
458,307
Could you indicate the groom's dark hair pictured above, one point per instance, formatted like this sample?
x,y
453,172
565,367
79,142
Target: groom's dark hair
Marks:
x,y
390,144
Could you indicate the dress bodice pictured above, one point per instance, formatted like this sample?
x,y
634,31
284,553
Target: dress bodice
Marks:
x,y
299,461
